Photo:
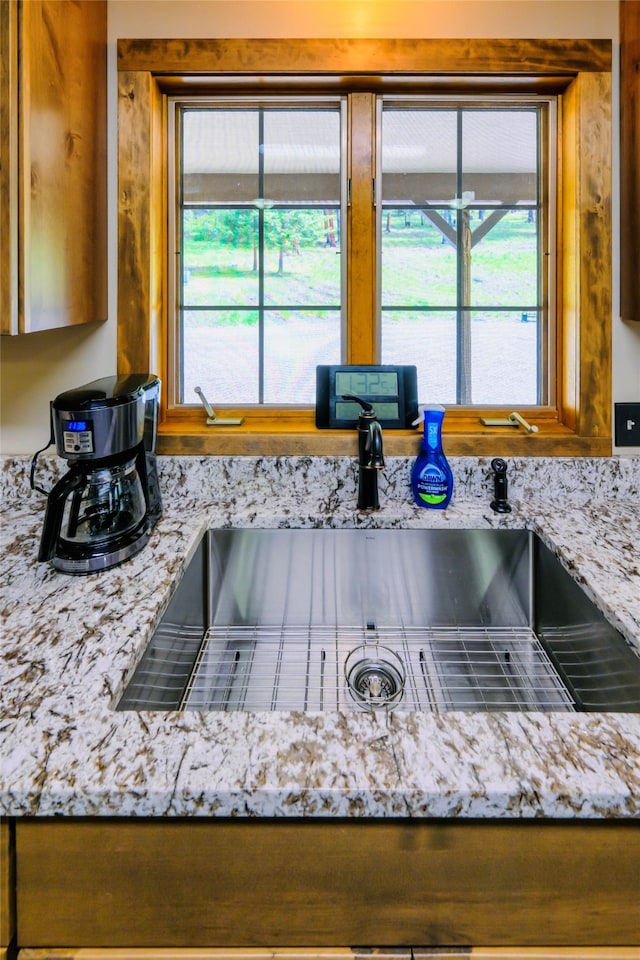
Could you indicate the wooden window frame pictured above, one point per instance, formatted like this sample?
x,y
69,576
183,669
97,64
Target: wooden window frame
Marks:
x,y
578,71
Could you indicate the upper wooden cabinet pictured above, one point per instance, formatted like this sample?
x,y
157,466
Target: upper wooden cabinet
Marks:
x,y
630,158
53,164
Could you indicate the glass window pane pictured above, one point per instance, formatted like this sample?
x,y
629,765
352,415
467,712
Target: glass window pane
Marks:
x,y
295,343
419,265
500,156
220,156
504,263
459,229
427,340
419,155
220,257
302,265
504,350
302,156
261,260
221,355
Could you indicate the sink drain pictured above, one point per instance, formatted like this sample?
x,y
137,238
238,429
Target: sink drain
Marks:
x,y
375,676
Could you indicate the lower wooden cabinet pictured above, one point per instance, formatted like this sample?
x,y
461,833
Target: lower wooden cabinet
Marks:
x,y
326,883
7,927
371,953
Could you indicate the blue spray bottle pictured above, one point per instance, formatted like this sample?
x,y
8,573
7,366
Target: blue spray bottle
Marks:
x,y
431,476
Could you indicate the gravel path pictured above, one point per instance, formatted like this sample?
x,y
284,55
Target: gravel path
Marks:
x,y
224,360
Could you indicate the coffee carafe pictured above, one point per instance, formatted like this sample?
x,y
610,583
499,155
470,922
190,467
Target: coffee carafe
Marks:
x,y
102,511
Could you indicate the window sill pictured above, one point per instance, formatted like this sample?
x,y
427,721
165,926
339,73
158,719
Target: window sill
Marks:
x,y
462,437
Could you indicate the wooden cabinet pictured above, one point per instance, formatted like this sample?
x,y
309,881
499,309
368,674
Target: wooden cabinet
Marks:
x,y
630,159
120,883
7,924
337,953
53,164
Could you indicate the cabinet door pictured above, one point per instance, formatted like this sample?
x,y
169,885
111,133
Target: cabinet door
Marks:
x,y
630,158
325,883
54,98
331,953
8,167
7,925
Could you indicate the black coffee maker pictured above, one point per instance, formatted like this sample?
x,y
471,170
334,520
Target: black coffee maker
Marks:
x,y
104,508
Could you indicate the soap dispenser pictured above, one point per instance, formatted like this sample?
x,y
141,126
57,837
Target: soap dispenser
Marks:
x,y
431,476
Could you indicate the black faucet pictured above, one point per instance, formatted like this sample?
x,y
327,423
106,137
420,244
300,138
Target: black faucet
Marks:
x,y
370,456
500,486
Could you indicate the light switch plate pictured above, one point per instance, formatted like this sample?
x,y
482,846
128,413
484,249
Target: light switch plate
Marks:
x,y
627,419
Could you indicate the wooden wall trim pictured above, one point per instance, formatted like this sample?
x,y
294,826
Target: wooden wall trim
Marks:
x,y
585,282
562,57
140,223
361,225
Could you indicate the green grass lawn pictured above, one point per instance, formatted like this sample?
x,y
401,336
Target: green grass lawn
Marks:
x,y
418,270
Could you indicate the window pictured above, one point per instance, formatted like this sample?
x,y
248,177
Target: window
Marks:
x,y
322,214
462,243
259,267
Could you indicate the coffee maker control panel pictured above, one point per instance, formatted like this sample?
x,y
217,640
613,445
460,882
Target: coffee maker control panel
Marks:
x,y
106,418
77,437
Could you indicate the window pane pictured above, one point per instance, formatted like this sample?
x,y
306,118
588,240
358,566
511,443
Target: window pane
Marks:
x,y
419,155
302,156
419,265
221,355
500,156
302,263
504,262
260,284
504,350
459,230
220,257
295,343
427,340
220,160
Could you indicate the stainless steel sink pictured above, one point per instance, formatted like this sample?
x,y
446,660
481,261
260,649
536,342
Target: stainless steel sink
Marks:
x,y
431,620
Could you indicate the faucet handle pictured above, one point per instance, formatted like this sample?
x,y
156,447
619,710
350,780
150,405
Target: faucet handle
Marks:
x,y
500,504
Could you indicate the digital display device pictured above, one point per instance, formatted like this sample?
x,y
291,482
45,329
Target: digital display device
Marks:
x,y
77,437
391,390
367,383
348,410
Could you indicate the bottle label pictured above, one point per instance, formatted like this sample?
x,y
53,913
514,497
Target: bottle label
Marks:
x,y
432,486
432,435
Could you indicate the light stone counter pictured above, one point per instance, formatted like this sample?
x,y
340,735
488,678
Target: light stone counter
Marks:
x,y
69,645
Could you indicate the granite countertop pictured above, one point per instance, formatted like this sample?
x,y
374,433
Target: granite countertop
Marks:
x,y
70,644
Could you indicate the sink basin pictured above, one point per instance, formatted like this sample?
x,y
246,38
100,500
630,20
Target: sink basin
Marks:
x,y
434,620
